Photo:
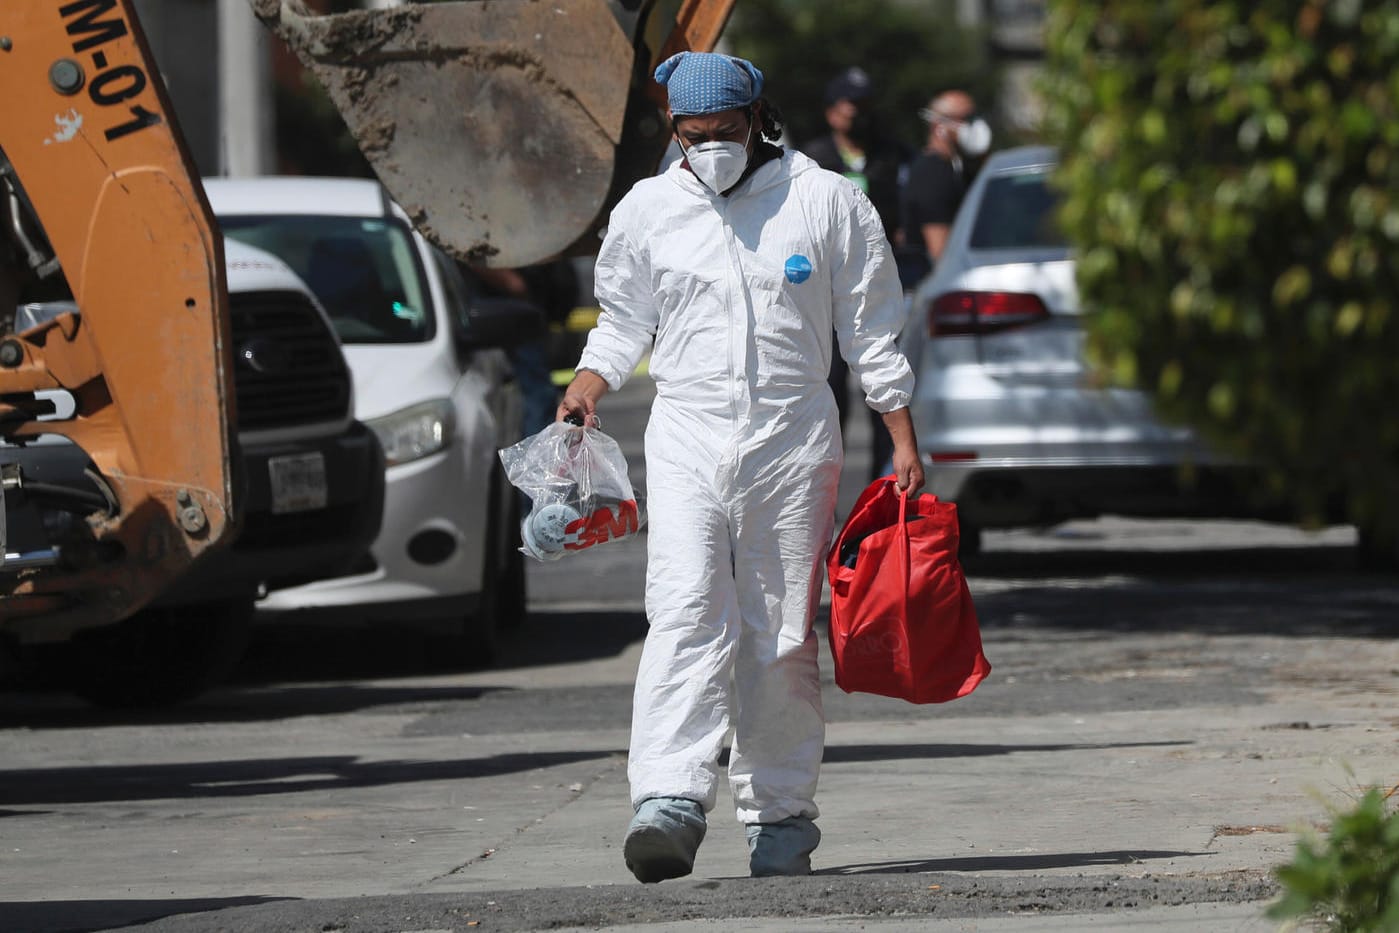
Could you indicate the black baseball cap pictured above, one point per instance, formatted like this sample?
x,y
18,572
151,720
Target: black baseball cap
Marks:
x,y
852,84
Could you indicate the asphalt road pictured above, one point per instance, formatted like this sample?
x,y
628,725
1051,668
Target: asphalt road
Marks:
x,y
1171,702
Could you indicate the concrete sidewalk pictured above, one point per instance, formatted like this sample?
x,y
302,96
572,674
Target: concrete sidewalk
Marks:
x,y
1168,821
449,799
1195,795
1141,757
1162,719
1193,918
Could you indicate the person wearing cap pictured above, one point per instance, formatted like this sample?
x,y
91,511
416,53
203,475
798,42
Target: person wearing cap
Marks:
x,y
742,268
938,178
855,147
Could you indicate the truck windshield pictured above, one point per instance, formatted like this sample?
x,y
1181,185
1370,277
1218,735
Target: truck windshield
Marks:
x,y
364,270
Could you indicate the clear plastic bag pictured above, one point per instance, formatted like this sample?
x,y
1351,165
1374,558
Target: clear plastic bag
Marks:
x,y
580,495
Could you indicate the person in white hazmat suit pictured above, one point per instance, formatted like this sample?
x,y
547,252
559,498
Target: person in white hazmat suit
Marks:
x,y
734,268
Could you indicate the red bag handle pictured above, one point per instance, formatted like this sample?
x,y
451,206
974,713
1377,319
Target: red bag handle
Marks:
x,y
904,558
870,493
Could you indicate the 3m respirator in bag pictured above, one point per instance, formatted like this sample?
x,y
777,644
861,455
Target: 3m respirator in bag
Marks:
x,y
580,496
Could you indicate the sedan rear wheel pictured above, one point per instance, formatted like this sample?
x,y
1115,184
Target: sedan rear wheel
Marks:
x,y
969,537
1377,551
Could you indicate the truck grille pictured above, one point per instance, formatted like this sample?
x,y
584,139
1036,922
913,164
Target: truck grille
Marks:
x,y
288,369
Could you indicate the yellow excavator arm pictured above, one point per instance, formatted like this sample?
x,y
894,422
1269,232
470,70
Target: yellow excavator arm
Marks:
x,y
506,128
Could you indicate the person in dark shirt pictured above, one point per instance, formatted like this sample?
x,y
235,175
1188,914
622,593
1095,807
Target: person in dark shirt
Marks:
x,y
938,178
855,148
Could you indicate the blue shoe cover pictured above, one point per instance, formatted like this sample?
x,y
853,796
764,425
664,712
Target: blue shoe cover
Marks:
x,y
663,838
782,848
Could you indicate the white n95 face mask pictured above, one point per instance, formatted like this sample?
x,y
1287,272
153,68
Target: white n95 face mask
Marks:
x,y
974,138
718,164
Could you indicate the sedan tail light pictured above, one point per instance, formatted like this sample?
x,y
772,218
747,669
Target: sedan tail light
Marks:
x,y
963,313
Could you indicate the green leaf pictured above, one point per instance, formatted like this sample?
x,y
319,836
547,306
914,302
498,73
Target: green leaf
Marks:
x,y
1153,127
1292,286
1172,375
1221,400
1284,175
1356,120
1351,316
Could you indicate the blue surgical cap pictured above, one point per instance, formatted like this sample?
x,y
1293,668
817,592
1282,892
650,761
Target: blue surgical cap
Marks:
x,y
706,82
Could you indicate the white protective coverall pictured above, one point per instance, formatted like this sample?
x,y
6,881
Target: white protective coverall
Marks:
x,y
743,454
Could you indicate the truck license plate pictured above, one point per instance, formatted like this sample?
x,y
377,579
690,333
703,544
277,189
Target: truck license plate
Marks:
x,y
298,483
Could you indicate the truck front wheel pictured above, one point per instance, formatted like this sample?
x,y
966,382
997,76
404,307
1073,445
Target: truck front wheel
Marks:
x,y
155,658
502,602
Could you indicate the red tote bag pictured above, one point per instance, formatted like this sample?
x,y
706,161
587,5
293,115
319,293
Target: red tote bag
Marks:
x,y
902,620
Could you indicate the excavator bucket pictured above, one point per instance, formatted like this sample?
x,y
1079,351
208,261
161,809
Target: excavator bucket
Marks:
x,y
96,182
505,128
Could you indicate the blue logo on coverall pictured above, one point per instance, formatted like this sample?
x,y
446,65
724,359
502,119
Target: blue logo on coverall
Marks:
x,y
798,269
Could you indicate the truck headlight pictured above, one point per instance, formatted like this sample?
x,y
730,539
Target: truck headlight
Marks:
x,y
415,432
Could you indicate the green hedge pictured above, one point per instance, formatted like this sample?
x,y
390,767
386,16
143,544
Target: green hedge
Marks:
x,y
1231,172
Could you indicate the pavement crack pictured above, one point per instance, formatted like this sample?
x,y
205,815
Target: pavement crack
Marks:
x,y
576,792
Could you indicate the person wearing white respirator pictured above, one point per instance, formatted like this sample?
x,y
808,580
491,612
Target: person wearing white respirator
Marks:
x,y
741,268
938,178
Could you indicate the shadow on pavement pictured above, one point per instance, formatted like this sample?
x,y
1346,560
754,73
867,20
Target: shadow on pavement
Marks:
x,y
85,916
1009,862
1220,562
299,669
256,777
287,651
845,754
556,635
41,709
1221,603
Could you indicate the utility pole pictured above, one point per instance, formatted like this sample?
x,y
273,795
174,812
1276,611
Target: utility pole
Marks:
x,y
246,129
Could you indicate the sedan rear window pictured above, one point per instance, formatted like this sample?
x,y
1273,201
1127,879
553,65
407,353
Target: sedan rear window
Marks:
x,y
364,270
1017,212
